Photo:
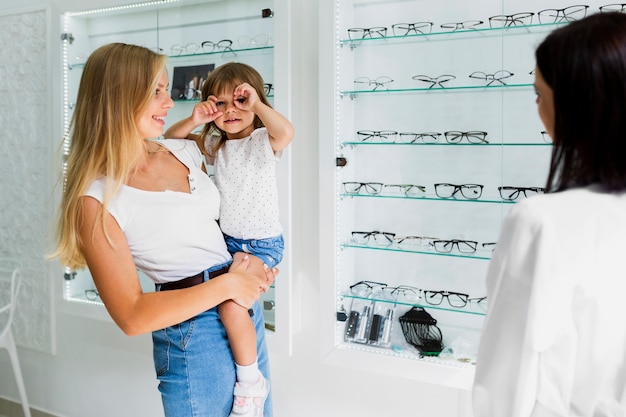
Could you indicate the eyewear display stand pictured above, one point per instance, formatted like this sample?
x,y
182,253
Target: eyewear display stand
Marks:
x,y
432,136
198,36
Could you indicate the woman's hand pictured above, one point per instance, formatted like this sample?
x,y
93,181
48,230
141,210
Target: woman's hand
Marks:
x,y
252,278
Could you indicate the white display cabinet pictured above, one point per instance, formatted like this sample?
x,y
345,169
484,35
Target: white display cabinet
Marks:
x,y
418,93
198,36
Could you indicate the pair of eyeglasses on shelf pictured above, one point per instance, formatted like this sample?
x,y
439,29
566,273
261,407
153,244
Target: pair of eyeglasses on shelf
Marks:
x,y
615,7
454,299
468,191
566,14
377,135
434,81
225,45
546,137
516,19
206,47
417,28
448,246
364,82
376,237
401,293
256,41
466,25
496,77
414,242
269,88
92,295
374,188
367,33
509,193
472,136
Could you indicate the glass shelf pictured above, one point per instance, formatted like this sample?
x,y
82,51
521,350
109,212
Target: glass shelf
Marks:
x,y
424,252
428,198
360,143
455,34
470,308
354,93
229,54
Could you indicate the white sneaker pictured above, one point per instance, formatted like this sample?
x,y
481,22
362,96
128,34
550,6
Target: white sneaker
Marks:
x,y
250,399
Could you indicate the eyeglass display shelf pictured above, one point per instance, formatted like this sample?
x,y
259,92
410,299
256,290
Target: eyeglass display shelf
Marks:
x,y
468,309
421,252
427,198
460,33
354,93
200,54
360,143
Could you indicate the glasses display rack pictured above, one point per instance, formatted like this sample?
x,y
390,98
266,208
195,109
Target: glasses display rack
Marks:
x,y
434,136
197,36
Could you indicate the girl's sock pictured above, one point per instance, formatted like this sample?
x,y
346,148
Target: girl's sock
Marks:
x,y
248,374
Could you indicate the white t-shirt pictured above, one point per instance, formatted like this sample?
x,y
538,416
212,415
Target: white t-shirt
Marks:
x,y
245,174
172,235
553,341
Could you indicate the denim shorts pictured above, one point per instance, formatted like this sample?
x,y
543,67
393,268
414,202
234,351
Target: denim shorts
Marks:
x,y
195,366
269,250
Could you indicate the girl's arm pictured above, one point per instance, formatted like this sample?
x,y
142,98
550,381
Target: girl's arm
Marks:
x,y
136,312
203,113
279,129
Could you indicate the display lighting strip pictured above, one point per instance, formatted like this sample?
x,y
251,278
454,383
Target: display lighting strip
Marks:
x,y
119,8
339,301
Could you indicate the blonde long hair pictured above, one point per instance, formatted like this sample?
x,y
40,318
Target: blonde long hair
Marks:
x,y
118,81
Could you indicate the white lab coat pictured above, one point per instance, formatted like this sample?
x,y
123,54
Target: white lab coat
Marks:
x,y
554,339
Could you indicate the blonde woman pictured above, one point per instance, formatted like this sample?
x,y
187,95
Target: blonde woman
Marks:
x,y
134,203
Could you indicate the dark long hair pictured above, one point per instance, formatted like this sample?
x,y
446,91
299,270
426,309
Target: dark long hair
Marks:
x,y
585,65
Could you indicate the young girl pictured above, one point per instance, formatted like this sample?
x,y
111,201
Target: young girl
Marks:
x,y
243,138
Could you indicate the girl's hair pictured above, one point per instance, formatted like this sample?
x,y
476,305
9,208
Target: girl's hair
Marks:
x,y
585,65
117,83
226,78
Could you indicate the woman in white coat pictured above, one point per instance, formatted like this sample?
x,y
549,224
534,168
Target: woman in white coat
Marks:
x,y
554,339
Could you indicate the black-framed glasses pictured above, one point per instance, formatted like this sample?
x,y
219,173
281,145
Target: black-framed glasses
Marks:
x,y
417,28
364,33
378,135
365,288
379,238
616,7
469,191
497,76
381,81
225,45
409,190
546,137
434,81
479,303
425,137
509,193
269,88
567,14
472,136
356,187
516,19
92,295
490,246
447,246
455,299
466,25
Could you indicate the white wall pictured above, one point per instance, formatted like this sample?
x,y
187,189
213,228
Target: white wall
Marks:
x,y
98,372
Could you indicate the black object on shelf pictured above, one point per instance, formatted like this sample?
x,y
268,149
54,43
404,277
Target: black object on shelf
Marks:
x,y
420,330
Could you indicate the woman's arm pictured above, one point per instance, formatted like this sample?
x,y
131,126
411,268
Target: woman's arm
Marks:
x,y
136,312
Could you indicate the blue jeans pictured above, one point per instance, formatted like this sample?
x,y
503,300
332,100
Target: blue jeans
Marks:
x,y
269,250
196,368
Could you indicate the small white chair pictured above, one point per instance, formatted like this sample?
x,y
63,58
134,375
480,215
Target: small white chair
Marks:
x,y
10,277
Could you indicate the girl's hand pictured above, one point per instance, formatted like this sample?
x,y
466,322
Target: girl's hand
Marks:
x,y
205,111
245,97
